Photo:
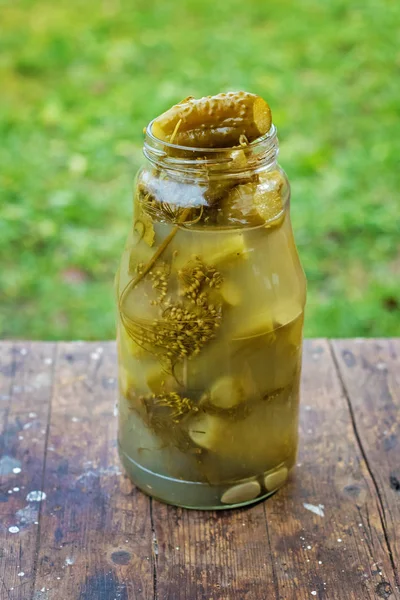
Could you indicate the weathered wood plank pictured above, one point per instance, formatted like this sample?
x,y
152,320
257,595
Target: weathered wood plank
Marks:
x,y
96,529
26,373
370,372
101,539
343,554
212,555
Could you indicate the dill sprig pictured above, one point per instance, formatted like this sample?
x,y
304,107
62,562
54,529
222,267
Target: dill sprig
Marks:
x,y
165,413
159,277
185,326
180,333
195,276
168,404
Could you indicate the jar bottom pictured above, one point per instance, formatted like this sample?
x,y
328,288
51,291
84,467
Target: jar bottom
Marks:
x,y
203,496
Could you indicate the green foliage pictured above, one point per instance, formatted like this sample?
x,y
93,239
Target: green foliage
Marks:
x,y
81,79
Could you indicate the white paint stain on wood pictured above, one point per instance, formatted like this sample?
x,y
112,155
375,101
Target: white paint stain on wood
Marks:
x,y
317,510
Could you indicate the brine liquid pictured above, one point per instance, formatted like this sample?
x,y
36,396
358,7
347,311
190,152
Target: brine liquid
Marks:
x,y
207,406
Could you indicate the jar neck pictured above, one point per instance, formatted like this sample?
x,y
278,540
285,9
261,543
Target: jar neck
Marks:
x,y
260,155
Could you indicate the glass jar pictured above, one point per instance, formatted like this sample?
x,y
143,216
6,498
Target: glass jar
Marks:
x,y
210,295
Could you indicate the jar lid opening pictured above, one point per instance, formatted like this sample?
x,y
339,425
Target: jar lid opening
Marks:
x,y
262,151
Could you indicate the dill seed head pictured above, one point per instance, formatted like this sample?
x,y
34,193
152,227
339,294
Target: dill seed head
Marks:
x,y
183,327
196,276
159,278
177,405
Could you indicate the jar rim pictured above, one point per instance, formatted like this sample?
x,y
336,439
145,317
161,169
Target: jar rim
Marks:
x,y
263,139
261,153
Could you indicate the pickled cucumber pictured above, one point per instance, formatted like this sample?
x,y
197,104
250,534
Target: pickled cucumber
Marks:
x,y
214,121
254,326
255,203
218,251
159,381
144,227
232,248
268,202
230,293
242,446
227,392
241,493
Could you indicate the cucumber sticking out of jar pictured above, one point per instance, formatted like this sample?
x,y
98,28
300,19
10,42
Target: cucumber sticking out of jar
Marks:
x,y
214,121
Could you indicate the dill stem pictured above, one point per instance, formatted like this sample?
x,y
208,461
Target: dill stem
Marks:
x,y
155,256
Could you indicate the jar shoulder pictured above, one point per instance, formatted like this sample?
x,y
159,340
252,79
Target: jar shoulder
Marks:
x,y
236,199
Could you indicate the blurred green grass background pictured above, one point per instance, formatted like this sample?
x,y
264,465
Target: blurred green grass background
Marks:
x,y
79,80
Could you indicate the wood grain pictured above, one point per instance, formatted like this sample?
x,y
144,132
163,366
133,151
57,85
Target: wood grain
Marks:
x,y
98,538
26,384
370,373
96,529
218,555
342,555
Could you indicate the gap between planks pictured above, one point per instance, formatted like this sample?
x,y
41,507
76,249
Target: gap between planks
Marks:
x,y
380,504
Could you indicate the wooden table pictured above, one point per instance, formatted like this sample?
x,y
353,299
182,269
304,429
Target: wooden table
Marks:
x,y
73,526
